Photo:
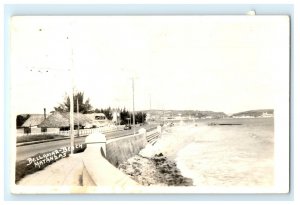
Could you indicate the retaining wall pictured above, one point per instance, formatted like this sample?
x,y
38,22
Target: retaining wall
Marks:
x,y
120,150
101,158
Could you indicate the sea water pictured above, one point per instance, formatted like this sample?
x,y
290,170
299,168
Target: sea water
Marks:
x,y
230,155
222,155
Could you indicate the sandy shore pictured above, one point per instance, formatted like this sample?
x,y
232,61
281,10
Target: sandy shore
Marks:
x,y
156,170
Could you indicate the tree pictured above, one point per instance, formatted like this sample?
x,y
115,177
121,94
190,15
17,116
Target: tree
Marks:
x,y
84,106
140,117
124,114
21,119
108,113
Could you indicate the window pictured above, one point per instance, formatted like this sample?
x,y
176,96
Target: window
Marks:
x,y
99,118
27,130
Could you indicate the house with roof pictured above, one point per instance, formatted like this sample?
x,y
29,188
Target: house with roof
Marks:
x,y
96,120
31,124
61,121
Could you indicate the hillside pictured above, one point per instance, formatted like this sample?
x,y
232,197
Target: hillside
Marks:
x,y
253,113
185,113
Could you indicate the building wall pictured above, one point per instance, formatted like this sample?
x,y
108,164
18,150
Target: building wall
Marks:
x,y
55,130
35,130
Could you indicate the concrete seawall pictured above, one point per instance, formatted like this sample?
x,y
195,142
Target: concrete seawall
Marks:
x,y
120,150
101,158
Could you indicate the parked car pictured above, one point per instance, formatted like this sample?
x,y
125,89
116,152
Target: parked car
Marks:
x,y
170,124
127,127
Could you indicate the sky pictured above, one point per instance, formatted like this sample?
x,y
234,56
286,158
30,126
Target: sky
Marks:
x,y
218,63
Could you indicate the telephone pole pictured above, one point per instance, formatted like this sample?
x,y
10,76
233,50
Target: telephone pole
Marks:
x,y
150,101
72,103
133,117
77,117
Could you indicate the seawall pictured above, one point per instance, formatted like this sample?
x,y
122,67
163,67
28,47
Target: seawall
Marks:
x,y
101,158
120,150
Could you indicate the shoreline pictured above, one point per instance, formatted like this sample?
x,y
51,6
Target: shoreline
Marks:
x,y
156,164
156,170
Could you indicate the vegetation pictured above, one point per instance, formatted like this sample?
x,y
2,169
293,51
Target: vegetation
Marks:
x,y
107,112
125,115
21,119
140,117
84,106
187,113
30,138
23,169
216,115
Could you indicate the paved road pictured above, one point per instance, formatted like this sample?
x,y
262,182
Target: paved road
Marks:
x,y
24,152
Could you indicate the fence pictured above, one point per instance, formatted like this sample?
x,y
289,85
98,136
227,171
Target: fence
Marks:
x,y
82,132
153,135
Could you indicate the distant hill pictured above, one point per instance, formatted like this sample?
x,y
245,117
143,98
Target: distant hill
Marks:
x,y
212,114
253,113
185,113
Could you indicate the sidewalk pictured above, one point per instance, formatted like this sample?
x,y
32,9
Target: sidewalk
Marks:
x,y
65,172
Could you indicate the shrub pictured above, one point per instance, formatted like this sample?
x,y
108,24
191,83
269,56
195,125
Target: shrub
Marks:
x,y
31,138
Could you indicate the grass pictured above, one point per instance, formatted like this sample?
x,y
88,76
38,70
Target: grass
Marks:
x,y
31,138
23,167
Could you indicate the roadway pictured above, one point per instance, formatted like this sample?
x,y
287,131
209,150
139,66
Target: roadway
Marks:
x,y
24,152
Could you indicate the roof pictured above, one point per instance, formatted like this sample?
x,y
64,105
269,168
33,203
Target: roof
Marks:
x,y
56,120
93,115
62,119
34,120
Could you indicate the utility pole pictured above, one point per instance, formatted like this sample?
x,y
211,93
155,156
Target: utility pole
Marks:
x,y
133,119
72,104
77,117
150,101
71,99
163,117
72,121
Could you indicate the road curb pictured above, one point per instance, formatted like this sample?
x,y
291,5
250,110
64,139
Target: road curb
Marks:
x,y
42,141
50,140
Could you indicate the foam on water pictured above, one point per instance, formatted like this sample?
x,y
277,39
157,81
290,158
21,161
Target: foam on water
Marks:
x,y
229,156
221,155
171,142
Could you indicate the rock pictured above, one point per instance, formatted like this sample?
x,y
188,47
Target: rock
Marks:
x,y
157,170
158,155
